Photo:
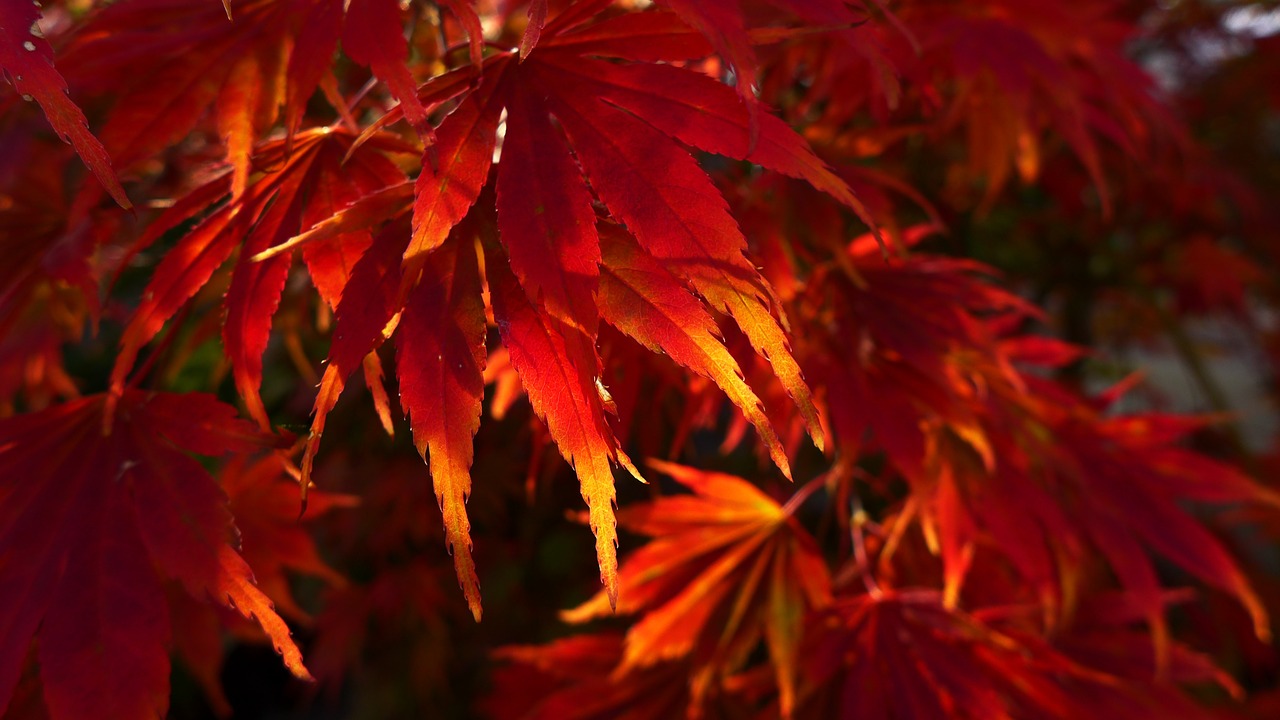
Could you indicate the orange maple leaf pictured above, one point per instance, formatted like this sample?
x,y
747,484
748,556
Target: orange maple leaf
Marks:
x,y
728,566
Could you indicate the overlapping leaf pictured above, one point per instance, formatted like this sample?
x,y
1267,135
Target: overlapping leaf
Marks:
x,y
169,63
1066,485
374,36
1104,637
904,654
644,300
1131,476
724,24
887,345
573,118
441,358
117,504
300,188
1002,460
1071,87
619,121
245,69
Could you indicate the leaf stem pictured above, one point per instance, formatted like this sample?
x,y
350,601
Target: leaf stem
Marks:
x,y
160,349
858,518
803,494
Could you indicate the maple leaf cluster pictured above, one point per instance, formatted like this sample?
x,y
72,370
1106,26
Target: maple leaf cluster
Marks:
x,y
847,279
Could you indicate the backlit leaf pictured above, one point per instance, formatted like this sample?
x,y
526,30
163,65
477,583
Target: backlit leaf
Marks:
x,y
85,550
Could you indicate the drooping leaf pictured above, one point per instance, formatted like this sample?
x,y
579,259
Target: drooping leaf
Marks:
x,y
446,190
643,177
373,35
646,180
561,122
366,317
440,351
311,59
641,298
27,60
559,367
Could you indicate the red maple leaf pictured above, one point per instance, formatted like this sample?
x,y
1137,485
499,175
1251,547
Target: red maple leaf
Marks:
x,y
84,549
571,118
904,654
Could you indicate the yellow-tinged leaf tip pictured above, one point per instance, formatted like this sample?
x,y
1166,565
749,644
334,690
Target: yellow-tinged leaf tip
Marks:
x,y
607,555
611,590
625,462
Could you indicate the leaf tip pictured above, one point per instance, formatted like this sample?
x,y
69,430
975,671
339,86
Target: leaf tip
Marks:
x,y
785,467
467,579
611,590
1257,613
625,462
299,670
819,441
